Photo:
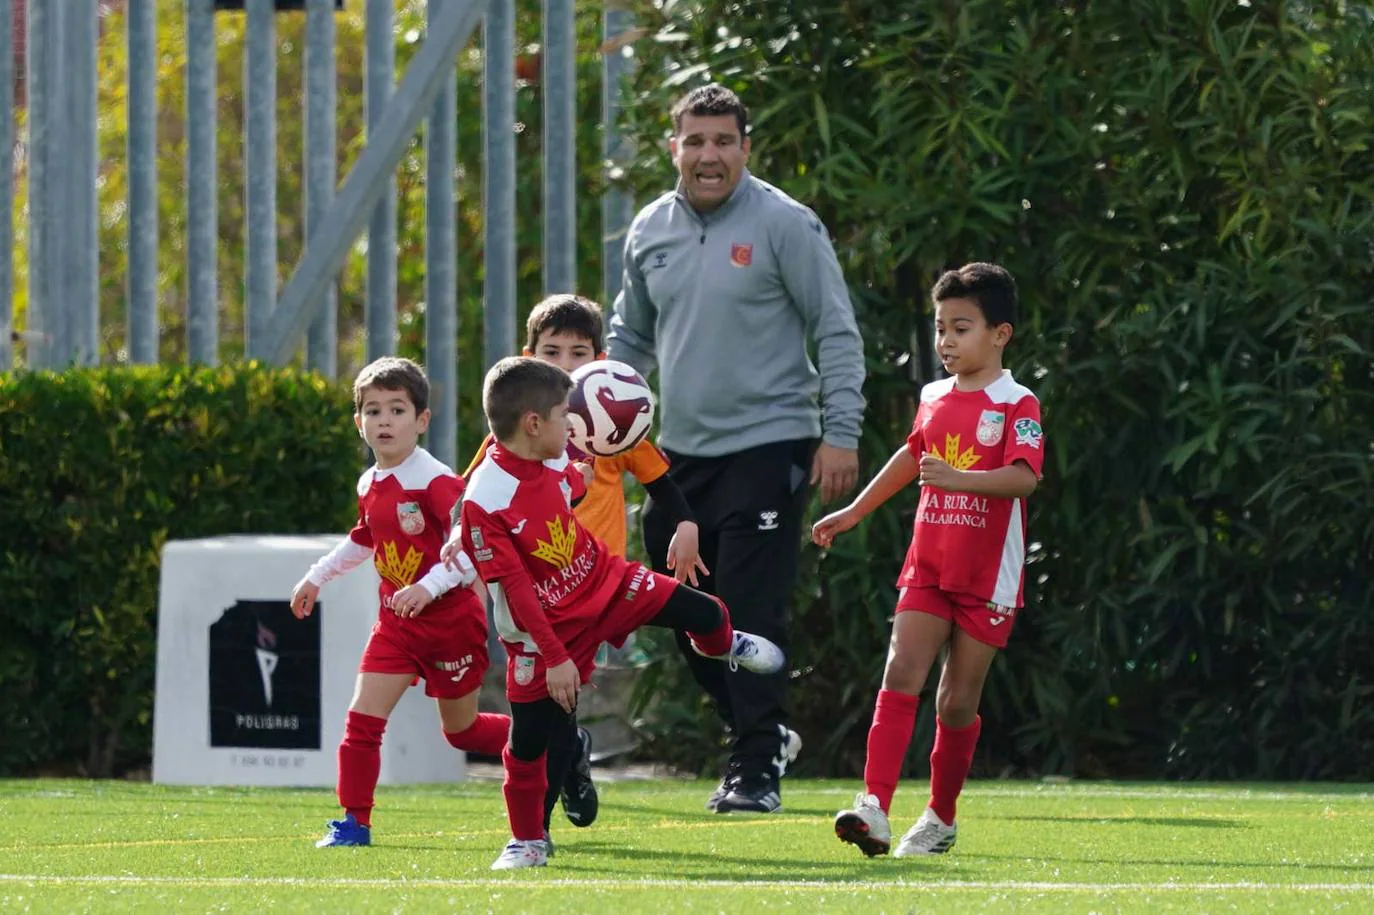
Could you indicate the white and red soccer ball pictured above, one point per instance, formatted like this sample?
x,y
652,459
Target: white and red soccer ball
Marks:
x,y
610,408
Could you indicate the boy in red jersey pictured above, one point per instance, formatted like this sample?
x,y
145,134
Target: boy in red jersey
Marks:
x,y
431,624
557,591
977,448
566,330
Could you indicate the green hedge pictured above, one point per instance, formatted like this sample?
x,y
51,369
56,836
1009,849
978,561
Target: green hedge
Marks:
x,y
1185,193
99,468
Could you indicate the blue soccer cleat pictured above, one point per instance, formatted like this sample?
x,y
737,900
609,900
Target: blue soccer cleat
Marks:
x,y
347,831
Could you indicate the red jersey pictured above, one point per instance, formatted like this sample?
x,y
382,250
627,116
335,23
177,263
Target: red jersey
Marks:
x,y
520,530
403,517
961,542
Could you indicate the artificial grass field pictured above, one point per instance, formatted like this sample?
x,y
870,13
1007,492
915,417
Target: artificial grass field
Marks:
x,y
74,846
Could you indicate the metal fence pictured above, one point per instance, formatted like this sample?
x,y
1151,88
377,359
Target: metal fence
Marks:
x,y
62,319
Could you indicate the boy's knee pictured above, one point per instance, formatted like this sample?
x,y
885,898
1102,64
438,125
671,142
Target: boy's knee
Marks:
x,y
902,676
956,707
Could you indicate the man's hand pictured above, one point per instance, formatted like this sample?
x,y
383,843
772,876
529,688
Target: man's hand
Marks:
x,y
835,469
563,683
684,554
408,602
936,472
303,598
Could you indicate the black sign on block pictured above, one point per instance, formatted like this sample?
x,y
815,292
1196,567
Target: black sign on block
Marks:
x,y
264,670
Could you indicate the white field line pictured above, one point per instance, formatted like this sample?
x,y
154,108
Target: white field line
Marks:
x,y
829,886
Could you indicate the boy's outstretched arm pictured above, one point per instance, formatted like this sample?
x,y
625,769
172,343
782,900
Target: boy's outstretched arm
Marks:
x,y
899,470
684,550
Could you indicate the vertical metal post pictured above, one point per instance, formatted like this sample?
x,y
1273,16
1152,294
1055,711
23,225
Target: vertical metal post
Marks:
x,y
617,204
85,233
379,307
441,257
39,321
498,135
202,235
560,147
260,176
322,341
6,185
58,284
142,164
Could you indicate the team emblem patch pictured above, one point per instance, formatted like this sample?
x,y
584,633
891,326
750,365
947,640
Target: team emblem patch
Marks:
x,y
990,426
741,255
1028,433
524,670
412,520
477,540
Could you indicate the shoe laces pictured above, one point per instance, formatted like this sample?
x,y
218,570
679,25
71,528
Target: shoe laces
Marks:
x,y
744,647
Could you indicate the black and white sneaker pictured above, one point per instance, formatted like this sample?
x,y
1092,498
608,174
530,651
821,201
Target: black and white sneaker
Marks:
x,y
752,794
727,784
578,797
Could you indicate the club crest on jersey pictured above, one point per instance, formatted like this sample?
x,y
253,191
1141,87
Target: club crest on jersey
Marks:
x,y
1028,432
566,488
741,255
411,518
990,426
524,670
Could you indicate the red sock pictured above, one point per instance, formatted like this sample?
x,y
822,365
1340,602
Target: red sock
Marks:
x,y
360,762
524,789
486,735
719,640
949,763
894,716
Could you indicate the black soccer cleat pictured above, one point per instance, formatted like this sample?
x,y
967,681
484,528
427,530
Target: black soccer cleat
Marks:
x,y
752,794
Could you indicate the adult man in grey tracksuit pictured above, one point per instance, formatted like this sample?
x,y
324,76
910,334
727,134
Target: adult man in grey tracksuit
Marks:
x,y
726,278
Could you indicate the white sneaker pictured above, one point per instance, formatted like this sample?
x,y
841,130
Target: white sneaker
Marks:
x,y
791,747
865,826
752,652
930,836
532,853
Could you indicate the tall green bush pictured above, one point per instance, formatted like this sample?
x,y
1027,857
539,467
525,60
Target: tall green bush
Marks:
x,y
98,469
1185,193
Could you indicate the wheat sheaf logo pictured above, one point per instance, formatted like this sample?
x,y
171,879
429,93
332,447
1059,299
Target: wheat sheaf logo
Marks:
x,y
959,460
400,572
558,549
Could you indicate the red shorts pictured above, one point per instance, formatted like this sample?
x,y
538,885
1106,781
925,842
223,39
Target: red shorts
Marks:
x,y
641,595
448,648
987,622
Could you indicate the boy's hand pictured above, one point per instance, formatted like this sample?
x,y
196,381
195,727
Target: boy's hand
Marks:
x,y
449,554
563,683
408,602
823,531
588,471
303,598
936,472
684,554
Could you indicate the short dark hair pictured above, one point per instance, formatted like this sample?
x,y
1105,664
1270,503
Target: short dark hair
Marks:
x,y
711,100
518,385
988,285
393,373
565,313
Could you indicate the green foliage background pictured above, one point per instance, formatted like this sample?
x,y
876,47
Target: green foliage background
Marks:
x,y
98,469
1185,193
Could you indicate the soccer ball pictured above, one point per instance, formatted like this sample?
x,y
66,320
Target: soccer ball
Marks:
x,y
610,408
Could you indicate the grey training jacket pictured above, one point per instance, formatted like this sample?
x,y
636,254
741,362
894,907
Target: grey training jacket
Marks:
x,y
722,304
